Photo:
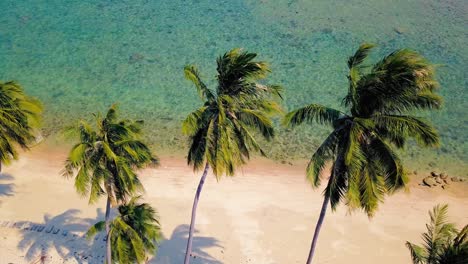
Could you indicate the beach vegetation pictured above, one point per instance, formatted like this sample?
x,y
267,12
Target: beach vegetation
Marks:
x,y
378,117
222,131
104,160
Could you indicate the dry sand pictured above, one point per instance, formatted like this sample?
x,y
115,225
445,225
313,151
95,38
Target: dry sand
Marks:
x,y
266,214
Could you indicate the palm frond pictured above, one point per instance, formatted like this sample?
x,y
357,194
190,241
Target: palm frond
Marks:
x,y
402,81
258,120
397,126
360,55
96,228
222,131
192,122
20,117
438,231
443,244
311,113
326,152
192,74
106,155
418,254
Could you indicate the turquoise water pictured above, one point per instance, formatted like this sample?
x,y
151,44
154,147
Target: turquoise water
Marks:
x,y
81,56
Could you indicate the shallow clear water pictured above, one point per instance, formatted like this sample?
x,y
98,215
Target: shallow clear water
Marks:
x,y
80,56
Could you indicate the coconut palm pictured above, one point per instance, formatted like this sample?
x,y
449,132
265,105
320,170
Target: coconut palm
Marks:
x,y
443,243
134,233
104,160
221,131
360,148
19,120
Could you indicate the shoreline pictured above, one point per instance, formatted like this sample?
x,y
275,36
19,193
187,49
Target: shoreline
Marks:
x,y
264,214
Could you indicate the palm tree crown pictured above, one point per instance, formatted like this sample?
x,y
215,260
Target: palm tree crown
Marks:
x,y
105,157
19,119
443,243
134,233
219,131
365,166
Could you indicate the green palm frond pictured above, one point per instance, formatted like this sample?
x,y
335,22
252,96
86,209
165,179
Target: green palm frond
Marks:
x,y
238,73
134,233
371,189
379,102
258,120
355,68
390,165
326,152
418,254
192,74
443,243
198,146
96,228
192,122
456,250
311,113
360,55
221,132
438,232
338,182
402,81
106,155
20,118
397,126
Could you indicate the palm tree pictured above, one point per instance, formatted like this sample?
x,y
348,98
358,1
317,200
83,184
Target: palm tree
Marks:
x,y
221,131
104,160
19,119
443,243
134,233
365,166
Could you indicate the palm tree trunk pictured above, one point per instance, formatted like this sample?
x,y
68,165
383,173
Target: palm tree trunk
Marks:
x,y
0,167
108,242
188,252
317,228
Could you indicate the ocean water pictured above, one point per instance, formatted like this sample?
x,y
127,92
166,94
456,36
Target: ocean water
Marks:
x,y
80,56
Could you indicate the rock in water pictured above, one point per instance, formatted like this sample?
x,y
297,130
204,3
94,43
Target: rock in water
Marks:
x,y
429,181
399,30
438,180
434,174
443,176
135,57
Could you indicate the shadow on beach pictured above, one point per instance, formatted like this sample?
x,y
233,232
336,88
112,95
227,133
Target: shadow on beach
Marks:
x,y
172,250
6,189
63,233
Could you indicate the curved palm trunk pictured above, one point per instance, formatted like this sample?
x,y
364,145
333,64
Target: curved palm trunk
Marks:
x,y
317,228
108,244
188,252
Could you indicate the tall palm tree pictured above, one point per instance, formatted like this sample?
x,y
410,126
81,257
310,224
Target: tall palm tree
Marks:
x,y
134,233
221,131
19,119
443,243
104,160
365,166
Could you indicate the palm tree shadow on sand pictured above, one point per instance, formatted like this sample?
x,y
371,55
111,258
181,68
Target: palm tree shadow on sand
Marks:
x,y
172,250
69,245
6,189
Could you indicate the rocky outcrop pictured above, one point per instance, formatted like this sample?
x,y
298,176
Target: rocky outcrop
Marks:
x,y
440,179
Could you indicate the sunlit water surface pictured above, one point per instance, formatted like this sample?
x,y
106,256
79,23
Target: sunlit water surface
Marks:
x,y
79,57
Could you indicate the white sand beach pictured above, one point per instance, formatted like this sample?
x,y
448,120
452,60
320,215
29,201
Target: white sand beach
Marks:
x,y
266,214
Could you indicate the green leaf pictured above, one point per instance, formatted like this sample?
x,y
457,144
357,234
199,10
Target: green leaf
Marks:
x,y
310,113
